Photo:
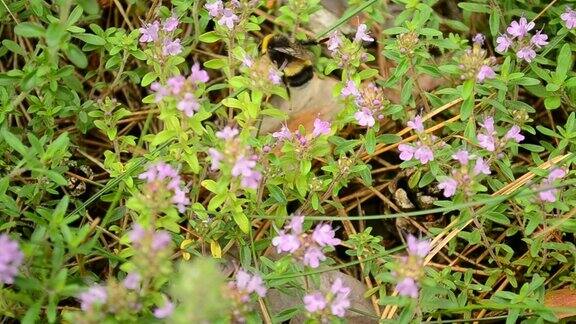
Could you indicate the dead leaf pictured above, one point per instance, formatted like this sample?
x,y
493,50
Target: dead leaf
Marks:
x,y
562,298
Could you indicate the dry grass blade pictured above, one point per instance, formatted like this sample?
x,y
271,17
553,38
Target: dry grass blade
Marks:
x,y
442,239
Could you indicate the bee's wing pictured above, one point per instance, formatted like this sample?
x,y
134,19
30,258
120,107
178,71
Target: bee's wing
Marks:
x,y
295,51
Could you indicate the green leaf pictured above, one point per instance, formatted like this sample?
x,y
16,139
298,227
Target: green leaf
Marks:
x,y
474,7
26,29
76,56
242,222
148,78
209,37
467,108
215,64
494,22
54,34
552,103
370,139
564,62
13,141
467,89
91,39
13,47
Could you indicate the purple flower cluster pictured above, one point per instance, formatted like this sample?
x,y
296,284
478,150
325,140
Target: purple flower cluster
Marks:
x,y
409,273
161,34
165,310
475,64
462,177
95,295
370,101
335,302
244,164
164,173
518,37
548,193
10,259
308,248
182,90
488,138
569,18
321,127
246,284
420,150
225,16
156,241
345,51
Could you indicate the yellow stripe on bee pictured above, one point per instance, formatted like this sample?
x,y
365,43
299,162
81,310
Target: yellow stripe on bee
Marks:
x,y
295,67
265,42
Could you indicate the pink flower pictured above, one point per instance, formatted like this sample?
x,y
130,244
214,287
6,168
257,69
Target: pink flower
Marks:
x,y
188,105
243,166
479,38
504,42
556,173
170,24
314,302
550,194
324,235
197,75
520,28
321,127
416,124
180,199
216,157
406,152
247,61
160,240
171,47
94,295
481,167
313,256
228,19
283,134
449,185
175,84
365,118
149,32
424,154
296,224
274,76
341,301
407,287
514,134
248,284
164,311
334,42
461,156
214,8
159,90
416,247
526,53
132,281
252,180
227,133
569,17
10,259
485,72
539,39
361,34
286,242
487,142
350,90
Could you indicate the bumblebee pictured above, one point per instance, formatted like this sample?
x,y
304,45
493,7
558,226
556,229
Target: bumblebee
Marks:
x,y
292,58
